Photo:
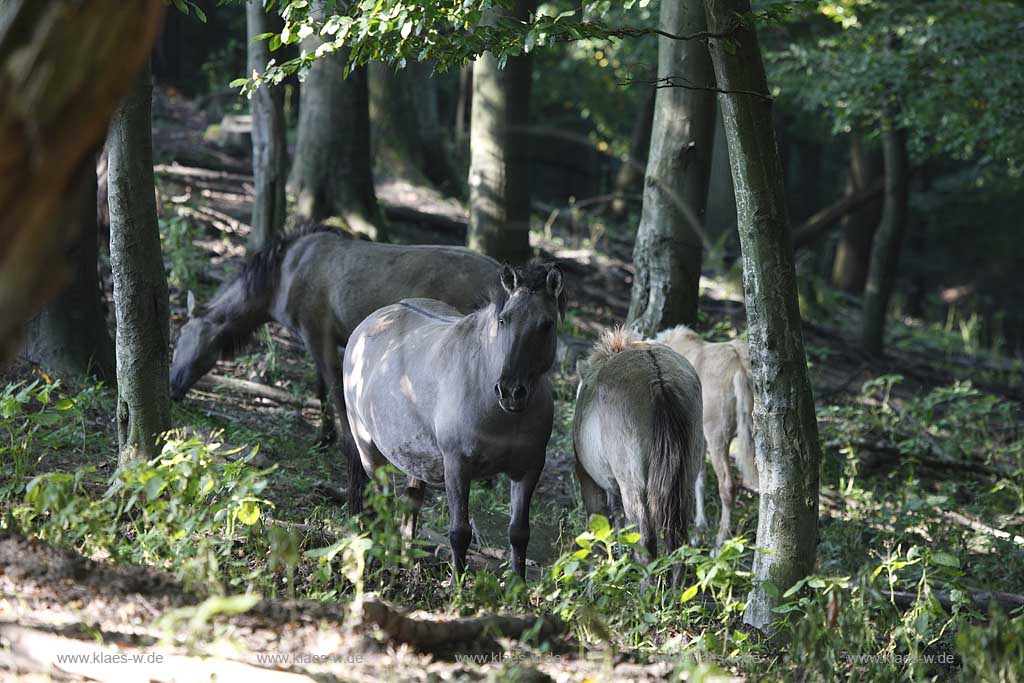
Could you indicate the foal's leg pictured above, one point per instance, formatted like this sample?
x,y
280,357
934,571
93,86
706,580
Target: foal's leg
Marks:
x,y
726,488
456,486
519,526
698,490
415,490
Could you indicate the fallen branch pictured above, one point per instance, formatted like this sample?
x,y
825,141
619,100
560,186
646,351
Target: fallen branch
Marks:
x,y
244,386
431,634
817,225
407,214
981,527
980,600
925,458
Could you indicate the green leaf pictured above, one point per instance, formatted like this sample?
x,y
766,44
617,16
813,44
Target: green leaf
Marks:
x,y
945,559
689,594
238,83
249,513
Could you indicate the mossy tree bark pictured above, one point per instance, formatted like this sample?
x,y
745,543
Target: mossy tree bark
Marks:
x,y
269,144
140,286
69,62
499,175
669,242
853,254
885,251
69,336
785,429
331,174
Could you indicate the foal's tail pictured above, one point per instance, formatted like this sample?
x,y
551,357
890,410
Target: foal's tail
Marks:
x,y
741,384
678,449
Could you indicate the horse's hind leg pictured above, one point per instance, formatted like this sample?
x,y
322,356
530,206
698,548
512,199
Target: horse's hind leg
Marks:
x,y
719,448
519,526
415,490
595,500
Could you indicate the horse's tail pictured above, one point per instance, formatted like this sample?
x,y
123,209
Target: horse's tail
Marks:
x,y
741,384
678,447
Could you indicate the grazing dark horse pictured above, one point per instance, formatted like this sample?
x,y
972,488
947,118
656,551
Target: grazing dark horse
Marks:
x,y
638,437
320,284
449,398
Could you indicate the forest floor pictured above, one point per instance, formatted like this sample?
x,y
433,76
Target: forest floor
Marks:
x,y
931,458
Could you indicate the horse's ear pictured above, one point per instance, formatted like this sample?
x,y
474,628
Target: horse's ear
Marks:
x,y
509,279
582,367
554,281
190,303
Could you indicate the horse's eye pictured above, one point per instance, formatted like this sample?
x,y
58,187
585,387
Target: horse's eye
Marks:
x,y
501,321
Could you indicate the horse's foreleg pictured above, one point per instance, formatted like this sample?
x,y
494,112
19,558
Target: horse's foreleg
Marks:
x,y
328,432
415,490
456,485
519,526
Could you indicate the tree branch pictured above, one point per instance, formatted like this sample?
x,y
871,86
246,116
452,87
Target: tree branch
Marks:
x,y
678,82
817,225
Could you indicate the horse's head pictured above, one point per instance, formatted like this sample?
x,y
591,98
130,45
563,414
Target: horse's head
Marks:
x,y
196,352
524,329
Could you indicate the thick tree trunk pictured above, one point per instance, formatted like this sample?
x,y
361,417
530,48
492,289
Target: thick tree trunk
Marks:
x,y
269,145
407,134
785,430
499,174
853,254
140,286
670,240
69,336
331,173
50,131
885,252
635,166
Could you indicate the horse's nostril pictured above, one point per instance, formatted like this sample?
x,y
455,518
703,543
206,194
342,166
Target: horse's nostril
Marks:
x,y
497,390
519,393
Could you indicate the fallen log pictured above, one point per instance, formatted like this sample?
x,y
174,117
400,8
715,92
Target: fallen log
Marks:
x,y
407,214
244,386
817,225
925,458
431,634
981,527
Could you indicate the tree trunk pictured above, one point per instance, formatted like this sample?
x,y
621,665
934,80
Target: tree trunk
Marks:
x,y
408,139
785,430
721,207
464,105
499,174
70,337
889,239
68,109
634,167
850,268
269,145
670,240
140,286
331,173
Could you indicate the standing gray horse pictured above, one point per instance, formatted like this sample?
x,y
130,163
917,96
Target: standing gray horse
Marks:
x,y
449,398
638,438
320,284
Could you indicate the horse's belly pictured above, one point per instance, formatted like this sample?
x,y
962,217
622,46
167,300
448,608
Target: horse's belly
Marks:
x,y
413,451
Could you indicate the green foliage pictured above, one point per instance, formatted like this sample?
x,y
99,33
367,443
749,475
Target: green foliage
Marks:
x,y
948,71
184,511
184,260
993,651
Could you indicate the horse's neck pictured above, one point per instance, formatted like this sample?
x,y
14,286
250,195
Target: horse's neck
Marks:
x,y
239,314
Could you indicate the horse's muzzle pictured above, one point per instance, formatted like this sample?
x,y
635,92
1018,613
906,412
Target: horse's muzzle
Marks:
x,y
511,397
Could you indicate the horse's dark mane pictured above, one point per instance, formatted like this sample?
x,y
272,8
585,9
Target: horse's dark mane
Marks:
x,y
259,274
534,277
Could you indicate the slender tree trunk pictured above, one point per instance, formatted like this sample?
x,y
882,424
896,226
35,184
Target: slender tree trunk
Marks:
x,y
269,145
106,41
634,167
331,173
464,105
785,430
669,242
885,252
140,286
408,138
853,254
499,175
70,336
